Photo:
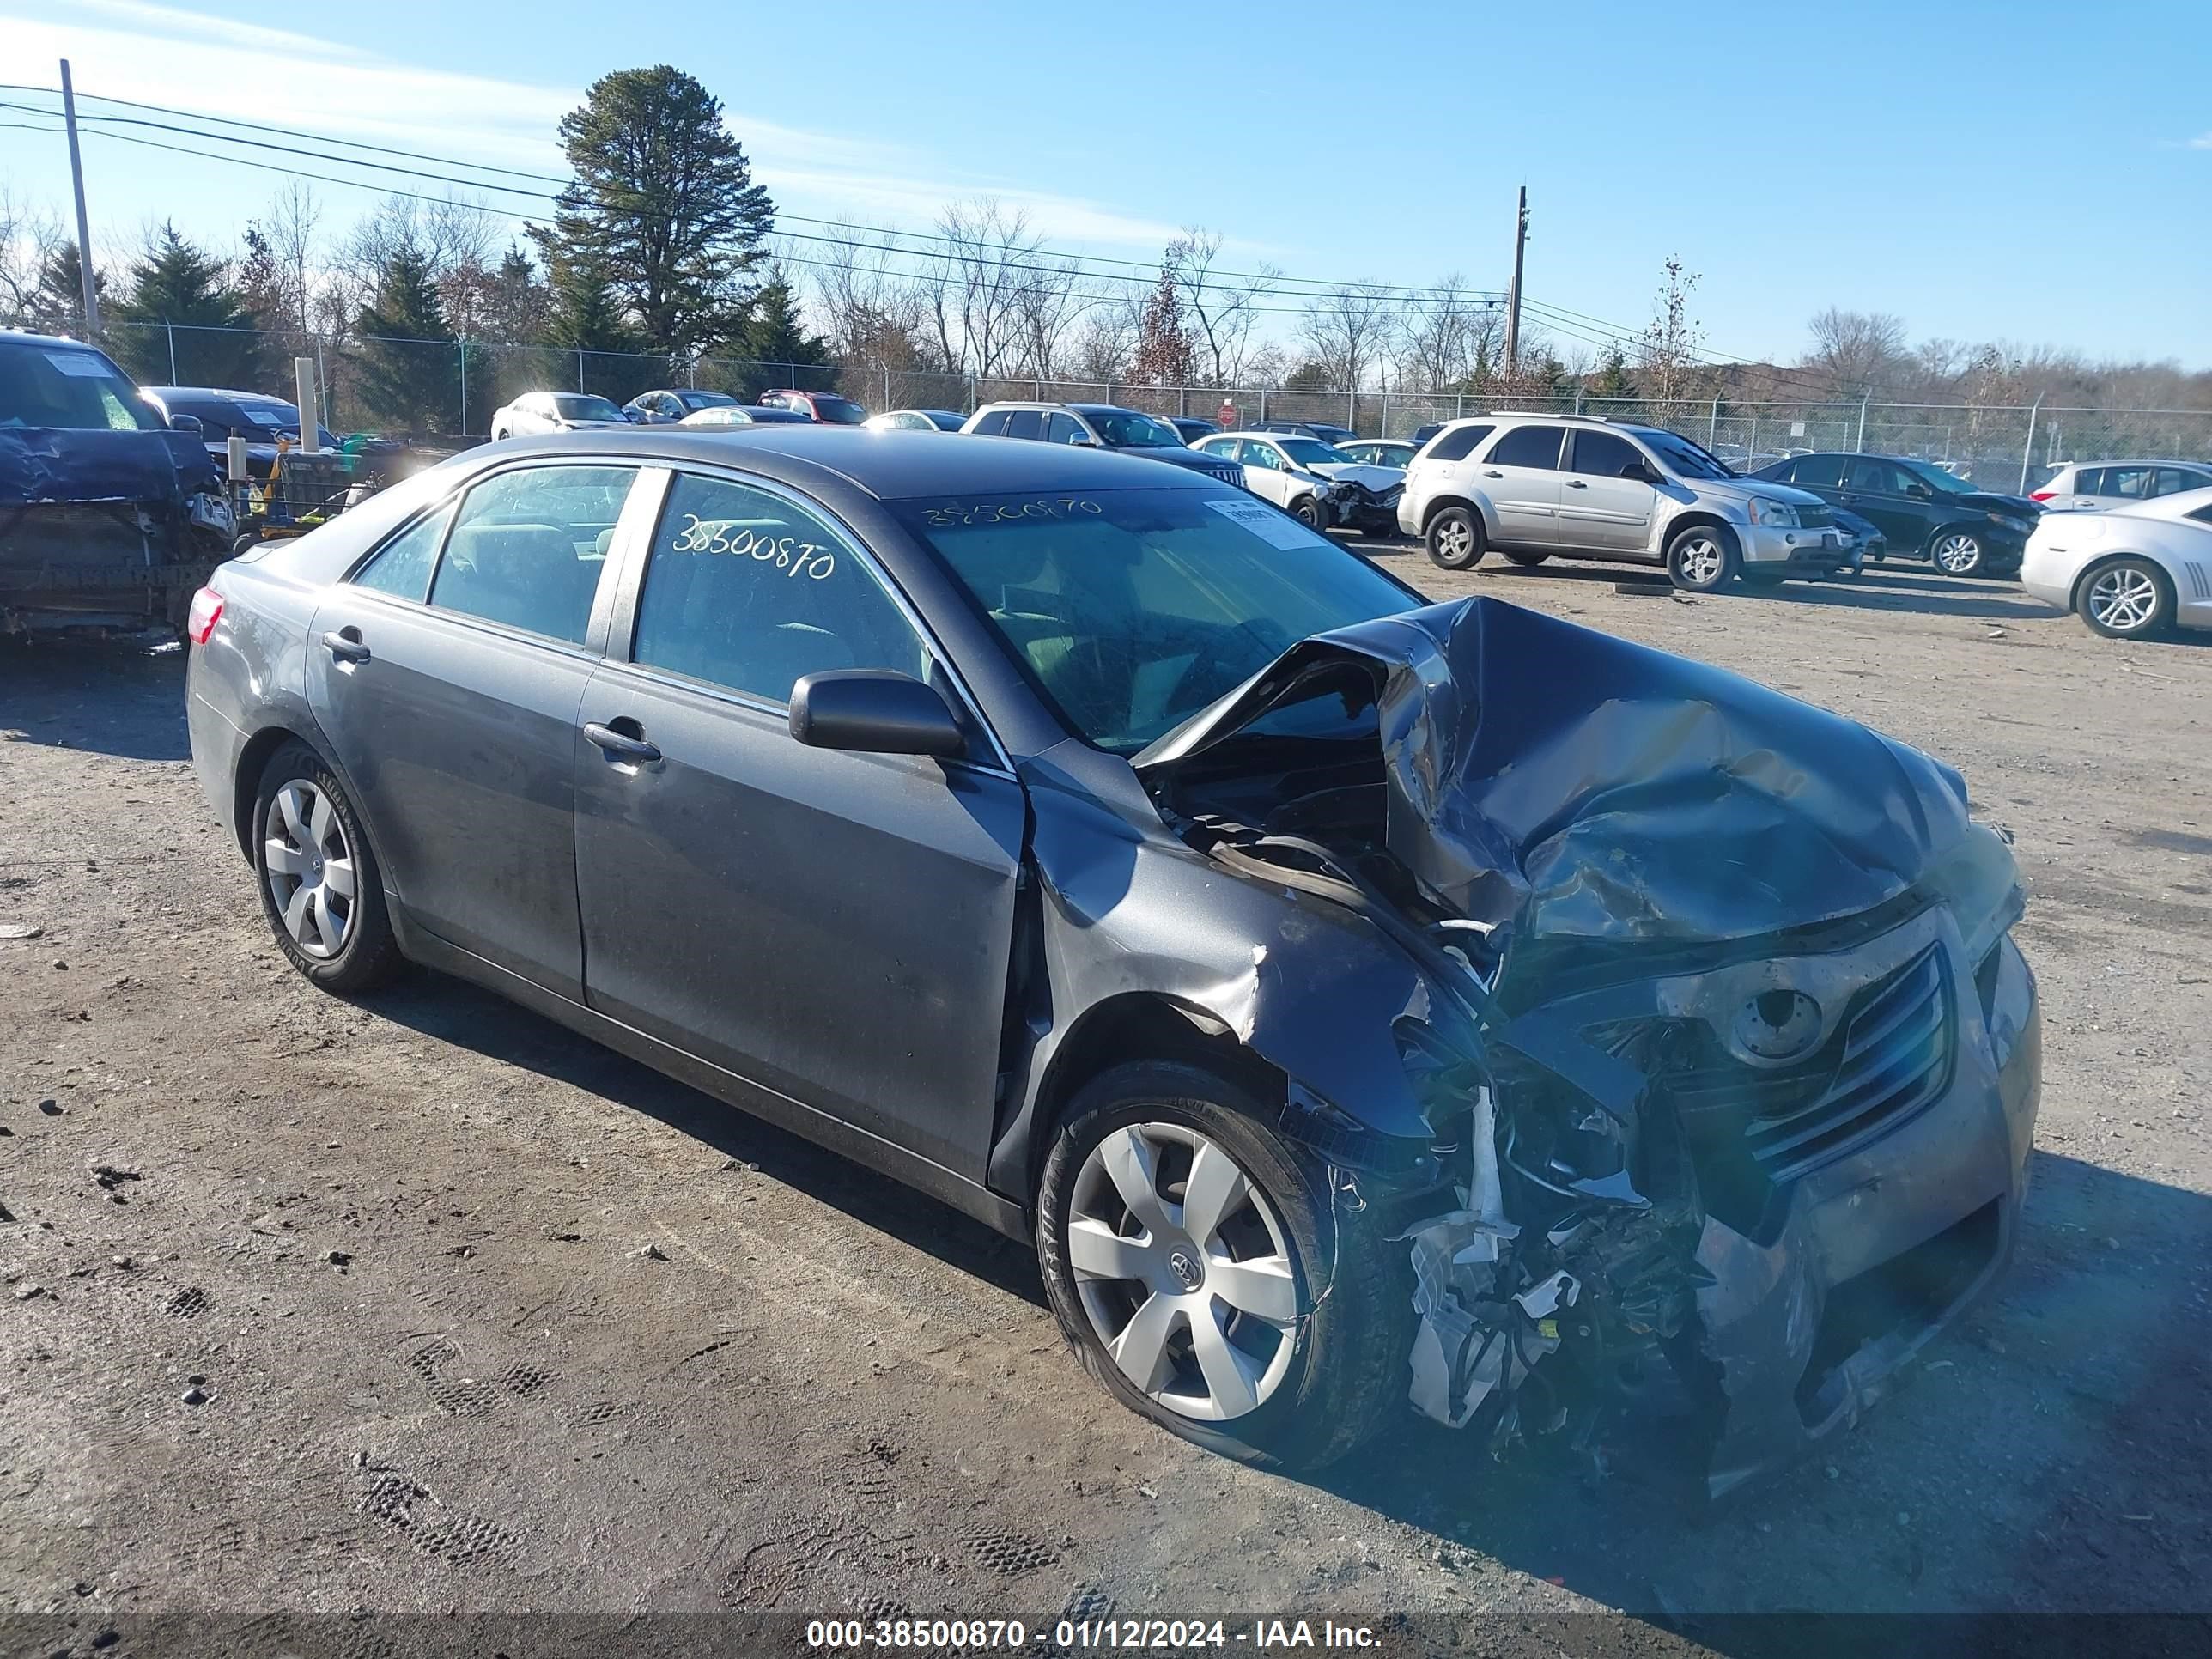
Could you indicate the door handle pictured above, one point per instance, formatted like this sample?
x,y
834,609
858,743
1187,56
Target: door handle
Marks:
x,y
1492,473
1576,483
622,745
344,645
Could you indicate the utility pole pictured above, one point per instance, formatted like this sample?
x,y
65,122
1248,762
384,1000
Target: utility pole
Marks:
x,y
83,225
1513,298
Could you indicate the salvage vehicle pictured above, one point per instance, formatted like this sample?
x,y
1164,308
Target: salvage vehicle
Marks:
x,y
2132,572
1314,482
224,414
535,413
109,519
1923,510
1352,999
1537,486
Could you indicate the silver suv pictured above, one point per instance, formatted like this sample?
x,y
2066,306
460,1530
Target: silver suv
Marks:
x,y
1535,485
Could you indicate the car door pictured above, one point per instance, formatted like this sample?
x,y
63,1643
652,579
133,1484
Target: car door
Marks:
x,y
446,674
1879,489
1600,507
1266,474
1025,423
1063,428
1519,473
833,926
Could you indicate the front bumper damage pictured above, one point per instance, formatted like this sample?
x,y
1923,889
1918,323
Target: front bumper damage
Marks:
x,y
1729,1063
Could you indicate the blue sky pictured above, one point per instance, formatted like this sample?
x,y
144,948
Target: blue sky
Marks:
x,y
2027,172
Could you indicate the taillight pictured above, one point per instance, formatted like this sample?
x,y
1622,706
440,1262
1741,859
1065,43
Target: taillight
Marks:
x,y
206,612
2041,494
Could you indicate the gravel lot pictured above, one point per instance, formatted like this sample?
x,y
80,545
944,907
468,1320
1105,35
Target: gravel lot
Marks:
x,y
423,1303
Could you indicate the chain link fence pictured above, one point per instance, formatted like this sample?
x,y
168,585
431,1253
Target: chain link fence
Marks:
x,y
428,388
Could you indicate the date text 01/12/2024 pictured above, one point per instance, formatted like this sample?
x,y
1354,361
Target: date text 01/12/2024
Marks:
x,y
1105,1635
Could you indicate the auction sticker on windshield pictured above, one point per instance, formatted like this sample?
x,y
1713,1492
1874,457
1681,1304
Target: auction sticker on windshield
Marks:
x,y
1263,521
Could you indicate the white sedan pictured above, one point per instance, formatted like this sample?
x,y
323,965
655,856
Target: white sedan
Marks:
x,y
1316,481
2129,573
534,412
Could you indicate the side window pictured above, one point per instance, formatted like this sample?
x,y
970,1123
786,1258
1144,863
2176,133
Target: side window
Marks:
x,y
1528,446
1819,471
527,547
993,425
1063,428
1457,444
1875,477
1603,455
2131,482
2172,480
2088,481
1025,423
1261,455
2203,514
402,565
744,590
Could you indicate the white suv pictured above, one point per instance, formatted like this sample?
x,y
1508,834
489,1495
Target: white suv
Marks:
x,y
1535,485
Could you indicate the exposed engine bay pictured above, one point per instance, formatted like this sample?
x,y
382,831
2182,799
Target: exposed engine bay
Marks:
x,y
1728,1061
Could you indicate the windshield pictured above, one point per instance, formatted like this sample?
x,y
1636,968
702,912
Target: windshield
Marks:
x,y
1684,457
704,399
69,386
1312,452
1132,609
282,419
838,411
718,416
578,406
1124,429
1936,478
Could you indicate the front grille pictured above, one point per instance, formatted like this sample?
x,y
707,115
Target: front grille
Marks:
x,y
1896,1060
1815,518
1228,475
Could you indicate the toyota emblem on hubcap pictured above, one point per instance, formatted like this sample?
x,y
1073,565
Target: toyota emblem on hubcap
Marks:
x,y
1186,1270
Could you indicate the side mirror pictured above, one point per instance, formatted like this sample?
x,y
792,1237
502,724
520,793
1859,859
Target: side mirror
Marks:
x,y
185,423
1640,472
874,711
1919,492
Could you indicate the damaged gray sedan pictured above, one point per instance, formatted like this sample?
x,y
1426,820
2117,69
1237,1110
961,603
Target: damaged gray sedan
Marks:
x,y
1355,1000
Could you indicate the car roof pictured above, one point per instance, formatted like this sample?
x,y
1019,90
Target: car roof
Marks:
x,y
2141,460
890,466
24,337
1079,408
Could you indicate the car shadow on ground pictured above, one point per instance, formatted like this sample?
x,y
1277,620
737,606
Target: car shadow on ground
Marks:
x,y
2057,1432
452,1011
122,697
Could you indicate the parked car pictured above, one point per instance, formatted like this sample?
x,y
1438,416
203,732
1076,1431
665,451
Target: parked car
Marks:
x,y
1191,427
916,420
826,407
731,415
1326,431
2131,572
670,404
1102,426
2086,486
1334,989
1380,451
1314,482
1926,511
1535,485
1429,429
1862,540
536,412
224,414
111,514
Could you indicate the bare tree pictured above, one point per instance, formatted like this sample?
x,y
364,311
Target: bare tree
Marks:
x,y
1667,351
1106,345
1346,330
1449,340
293,217
29,238
1221,311
976,279
451,234
1855,350
1052,302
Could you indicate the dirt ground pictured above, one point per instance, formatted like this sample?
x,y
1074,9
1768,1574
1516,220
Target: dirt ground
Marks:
x,y
423,1303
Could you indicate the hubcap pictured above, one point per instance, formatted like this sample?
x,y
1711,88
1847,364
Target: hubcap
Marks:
x,y
2123,601
1957,553
310,868
1181,1269
1454,539
1701,561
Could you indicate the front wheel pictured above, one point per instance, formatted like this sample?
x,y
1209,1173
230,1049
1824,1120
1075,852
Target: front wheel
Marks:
x,y
1455,539
1701,558
1958,553
2127,600
1307,511
1190,1254
320,888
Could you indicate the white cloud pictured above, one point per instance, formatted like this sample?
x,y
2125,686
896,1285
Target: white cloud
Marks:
x,y
2202,140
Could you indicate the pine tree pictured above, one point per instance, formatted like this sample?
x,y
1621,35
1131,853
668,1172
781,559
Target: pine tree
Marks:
x,y
185,322
1612,378
775,336
57,303
409,365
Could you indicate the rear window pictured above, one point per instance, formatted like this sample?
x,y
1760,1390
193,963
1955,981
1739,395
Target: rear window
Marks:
x,y
993,425
1822,471
838,411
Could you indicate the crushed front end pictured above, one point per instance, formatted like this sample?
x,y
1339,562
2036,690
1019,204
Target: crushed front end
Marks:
x,y
1730,1064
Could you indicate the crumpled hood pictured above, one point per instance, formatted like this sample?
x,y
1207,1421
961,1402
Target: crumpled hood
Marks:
x,y
1376,480
1580,788
40,464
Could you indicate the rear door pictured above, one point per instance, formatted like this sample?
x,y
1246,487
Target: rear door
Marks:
x,y
1598,507
1519,473
1878,489
834,927
447,673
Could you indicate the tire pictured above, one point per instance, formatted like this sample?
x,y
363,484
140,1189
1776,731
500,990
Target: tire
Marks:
x,y
1701,558
1322,1373
1307,511
302,819
2128,598
1526,560
1958,553
1455,539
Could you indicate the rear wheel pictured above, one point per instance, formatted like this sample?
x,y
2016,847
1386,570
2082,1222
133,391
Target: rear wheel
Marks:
x,y
1701,558
1455,539
2127,600
1958,553
320,888
1189,1254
